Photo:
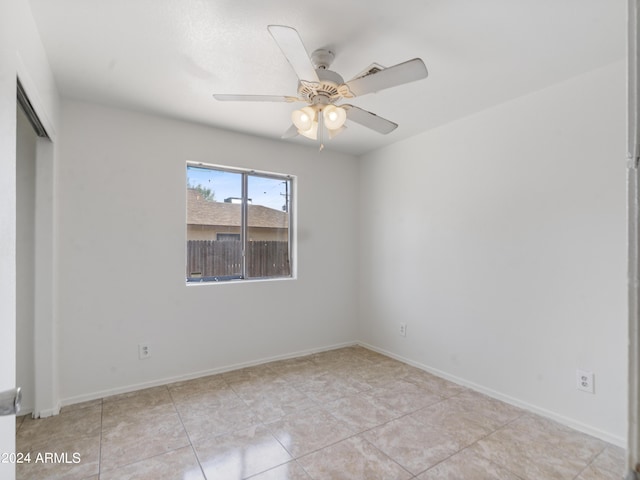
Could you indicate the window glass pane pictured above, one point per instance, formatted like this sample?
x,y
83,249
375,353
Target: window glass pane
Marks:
x,y
269,201
214,248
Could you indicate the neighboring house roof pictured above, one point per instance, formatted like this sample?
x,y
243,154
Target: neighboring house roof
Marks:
x,y
204,212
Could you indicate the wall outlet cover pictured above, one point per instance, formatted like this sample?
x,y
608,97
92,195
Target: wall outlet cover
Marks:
x,y
585,381
144,351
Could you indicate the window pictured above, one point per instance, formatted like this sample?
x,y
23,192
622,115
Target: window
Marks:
x,y
229,237
238,224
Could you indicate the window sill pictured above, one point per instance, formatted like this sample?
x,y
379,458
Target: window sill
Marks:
x,y
238,281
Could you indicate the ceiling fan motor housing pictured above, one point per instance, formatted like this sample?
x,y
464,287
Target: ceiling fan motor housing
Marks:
x,y
330,89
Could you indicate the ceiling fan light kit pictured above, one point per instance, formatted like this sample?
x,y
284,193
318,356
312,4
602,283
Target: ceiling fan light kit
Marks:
x,y
306,120
321,88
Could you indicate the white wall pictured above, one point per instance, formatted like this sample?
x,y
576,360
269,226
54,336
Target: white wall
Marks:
x,y
500,240
121,281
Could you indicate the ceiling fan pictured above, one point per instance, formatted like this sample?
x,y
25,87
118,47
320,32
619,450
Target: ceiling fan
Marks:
x,y
321,88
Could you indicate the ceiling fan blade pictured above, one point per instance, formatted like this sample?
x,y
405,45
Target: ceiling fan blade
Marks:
x,y
389,77
293,49
291,132
255,98
369,120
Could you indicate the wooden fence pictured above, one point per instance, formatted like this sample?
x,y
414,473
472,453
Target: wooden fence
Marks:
x,y
211,258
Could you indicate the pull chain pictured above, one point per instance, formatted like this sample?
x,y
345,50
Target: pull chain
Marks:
x,y
321,128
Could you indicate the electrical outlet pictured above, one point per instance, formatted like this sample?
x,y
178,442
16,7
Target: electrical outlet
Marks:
x,y
144,351
403,329
584,381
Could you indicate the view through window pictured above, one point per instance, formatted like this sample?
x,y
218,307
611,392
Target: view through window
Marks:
x,y
238,224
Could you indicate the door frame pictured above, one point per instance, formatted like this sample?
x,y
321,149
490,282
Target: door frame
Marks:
x,y
633,209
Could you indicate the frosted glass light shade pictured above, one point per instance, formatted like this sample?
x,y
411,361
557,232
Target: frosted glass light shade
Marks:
x,y
303,118
311,132
334,117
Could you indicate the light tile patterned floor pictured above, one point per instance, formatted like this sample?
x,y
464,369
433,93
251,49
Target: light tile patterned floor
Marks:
x,y
345,414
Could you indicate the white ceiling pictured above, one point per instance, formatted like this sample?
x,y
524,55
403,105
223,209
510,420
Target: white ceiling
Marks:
x,y
169,56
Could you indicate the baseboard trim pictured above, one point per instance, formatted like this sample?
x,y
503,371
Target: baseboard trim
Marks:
x,y
47,412
570,422
567,421
203,373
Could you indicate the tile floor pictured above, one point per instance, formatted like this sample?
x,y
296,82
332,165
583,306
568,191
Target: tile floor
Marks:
x,y
345,414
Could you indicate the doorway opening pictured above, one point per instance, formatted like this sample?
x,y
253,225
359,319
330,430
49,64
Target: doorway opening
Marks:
x,y
33,182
